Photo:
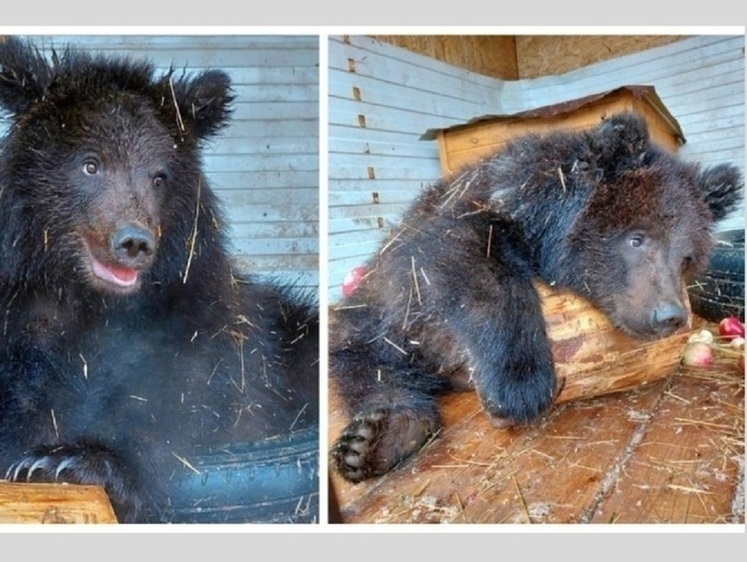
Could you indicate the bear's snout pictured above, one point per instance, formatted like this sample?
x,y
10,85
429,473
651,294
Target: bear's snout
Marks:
x,y
133,245
668,317
117,260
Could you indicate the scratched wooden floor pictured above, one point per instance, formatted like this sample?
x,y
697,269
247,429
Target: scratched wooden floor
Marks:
x,y
668,452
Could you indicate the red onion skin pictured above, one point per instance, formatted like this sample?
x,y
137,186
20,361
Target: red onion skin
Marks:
x,y
730,327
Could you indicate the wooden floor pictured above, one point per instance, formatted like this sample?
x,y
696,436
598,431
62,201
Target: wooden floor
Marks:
x,y
671,452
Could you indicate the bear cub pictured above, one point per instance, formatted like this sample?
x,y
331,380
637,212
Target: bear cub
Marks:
x,y
448,302
128,337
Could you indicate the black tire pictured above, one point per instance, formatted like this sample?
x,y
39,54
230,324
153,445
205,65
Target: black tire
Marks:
x,y
272,481
719,292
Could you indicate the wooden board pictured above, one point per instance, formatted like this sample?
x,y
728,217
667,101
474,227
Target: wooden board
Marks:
x,y
668,452
491,55
543,55
53,503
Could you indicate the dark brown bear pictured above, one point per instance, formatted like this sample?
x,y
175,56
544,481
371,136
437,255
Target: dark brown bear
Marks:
x,y
128,339
449,298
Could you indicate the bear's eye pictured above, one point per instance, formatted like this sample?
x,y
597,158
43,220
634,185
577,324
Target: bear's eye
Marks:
x,y
90,168
159,180
636,240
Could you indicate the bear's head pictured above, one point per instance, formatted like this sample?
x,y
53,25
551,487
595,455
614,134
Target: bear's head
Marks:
x,y
100,170
643,227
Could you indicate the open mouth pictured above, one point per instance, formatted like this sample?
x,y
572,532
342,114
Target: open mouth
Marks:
x,y
111,275
118,255
121,276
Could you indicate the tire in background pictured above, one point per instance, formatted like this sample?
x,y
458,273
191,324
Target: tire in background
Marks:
x,y
719,292
271,481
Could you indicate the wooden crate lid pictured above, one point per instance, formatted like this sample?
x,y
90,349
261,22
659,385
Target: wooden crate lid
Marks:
x,y
466,143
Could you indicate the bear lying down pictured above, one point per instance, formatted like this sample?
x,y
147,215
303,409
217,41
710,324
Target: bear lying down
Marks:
x,y
449,298
127,337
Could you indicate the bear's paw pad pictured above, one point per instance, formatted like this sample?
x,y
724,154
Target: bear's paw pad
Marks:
x,y
377,440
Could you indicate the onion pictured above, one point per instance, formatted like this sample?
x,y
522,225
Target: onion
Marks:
x,y
737,342
702,336
730,327
697,354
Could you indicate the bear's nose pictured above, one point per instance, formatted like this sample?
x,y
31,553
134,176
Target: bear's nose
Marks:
x,y
668,317
133,245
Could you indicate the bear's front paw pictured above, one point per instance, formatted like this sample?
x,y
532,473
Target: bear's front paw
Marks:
x,y
512,401
79,465
375,441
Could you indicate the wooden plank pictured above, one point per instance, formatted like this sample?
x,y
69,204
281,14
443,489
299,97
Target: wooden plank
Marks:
x,y
364,56
372,90
308,196
305,281
357,252
275,110
53,503
690,460
283,267
396,119
239,163
373,195
255,145
474,473
195,53
668,452
261,179
386,167
391,210
383,143
344,224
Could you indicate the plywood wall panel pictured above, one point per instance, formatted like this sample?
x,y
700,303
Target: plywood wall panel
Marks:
x,y
543,55
492,55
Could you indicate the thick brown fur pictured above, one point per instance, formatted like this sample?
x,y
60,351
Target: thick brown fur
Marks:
x,y
449,296
128,338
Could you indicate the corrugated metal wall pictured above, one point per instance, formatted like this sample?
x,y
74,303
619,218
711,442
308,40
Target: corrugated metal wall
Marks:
x,y
265,164
383,98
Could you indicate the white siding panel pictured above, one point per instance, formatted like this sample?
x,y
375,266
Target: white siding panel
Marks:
x,y
383,98
265,165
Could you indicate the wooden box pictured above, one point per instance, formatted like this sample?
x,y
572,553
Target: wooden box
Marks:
x,y
462,145
591,357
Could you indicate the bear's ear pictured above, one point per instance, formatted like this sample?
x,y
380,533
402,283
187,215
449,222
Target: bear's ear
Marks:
x,y
722,188
619,143
24,75
204,102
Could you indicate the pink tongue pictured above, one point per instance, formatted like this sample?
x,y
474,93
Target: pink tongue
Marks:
x,y
122,276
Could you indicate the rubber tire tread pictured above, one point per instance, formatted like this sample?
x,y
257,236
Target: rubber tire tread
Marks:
x,y
719,291
272,481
